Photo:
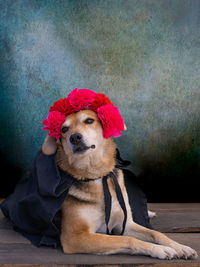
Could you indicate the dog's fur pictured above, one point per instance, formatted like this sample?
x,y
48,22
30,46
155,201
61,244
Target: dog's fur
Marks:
x,y
83,212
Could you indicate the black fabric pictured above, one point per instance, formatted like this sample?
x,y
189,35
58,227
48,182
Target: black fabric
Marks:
x,y
36,200
137,200
34,206
120,200
121,163
107,202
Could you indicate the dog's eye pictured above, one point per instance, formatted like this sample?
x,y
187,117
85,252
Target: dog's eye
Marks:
x,y
89,121
64,129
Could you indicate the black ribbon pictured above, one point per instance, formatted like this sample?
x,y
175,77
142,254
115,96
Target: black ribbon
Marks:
x,y
108,200
121,164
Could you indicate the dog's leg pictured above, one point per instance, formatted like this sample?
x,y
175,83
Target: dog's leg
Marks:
x,y
105,244
142,233
77,237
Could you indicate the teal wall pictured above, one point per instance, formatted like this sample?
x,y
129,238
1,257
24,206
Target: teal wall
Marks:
x,y
145,55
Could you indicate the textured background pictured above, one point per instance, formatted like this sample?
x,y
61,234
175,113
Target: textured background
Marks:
x,y
145,55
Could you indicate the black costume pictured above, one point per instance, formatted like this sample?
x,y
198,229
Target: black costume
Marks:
x,y
34,206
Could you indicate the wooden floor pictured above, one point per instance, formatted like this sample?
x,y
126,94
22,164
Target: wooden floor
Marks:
x,y
180,221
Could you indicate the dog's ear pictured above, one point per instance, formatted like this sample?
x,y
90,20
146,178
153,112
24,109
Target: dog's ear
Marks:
x,y
49,146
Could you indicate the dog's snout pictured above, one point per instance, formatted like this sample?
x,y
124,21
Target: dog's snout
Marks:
x,y
76,138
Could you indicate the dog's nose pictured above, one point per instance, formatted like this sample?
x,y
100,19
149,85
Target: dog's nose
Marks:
x,y
76,138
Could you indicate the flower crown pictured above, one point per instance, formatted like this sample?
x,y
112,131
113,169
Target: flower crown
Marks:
x,y
81,99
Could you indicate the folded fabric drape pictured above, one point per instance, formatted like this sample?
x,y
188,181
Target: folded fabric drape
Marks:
x,y
34,206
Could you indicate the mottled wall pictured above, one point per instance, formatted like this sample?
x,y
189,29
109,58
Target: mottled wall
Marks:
x,y
144,54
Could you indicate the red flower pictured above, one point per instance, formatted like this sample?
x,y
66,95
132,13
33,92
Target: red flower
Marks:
x,y
81,99
62,106
100,100
111,120
54,121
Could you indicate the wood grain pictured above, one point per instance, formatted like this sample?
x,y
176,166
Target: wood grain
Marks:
x,y
29,254
171,217
12,237
176,217
172,264
174,206
18,251
4,222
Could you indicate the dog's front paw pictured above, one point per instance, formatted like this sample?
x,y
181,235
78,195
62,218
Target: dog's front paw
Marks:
x,y
151,214
163,252
185,252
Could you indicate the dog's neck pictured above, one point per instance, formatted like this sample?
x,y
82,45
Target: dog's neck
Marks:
x,y
89,166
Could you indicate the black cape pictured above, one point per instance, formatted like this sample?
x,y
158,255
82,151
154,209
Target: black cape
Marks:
x,y
34,206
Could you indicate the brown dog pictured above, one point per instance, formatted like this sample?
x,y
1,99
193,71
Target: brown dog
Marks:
x,y
85,154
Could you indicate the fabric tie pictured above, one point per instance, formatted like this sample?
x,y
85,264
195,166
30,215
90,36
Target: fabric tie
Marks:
x,y
108,200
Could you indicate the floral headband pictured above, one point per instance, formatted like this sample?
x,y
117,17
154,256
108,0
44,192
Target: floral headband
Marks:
x,y
81,99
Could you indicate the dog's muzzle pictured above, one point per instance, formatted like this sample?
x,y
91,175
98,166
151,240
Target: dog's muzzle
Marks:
x,y
76,139
78,145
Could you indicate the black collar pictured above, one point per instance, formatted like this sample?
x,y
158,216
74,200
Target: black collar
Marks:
x,y
88,180
119,164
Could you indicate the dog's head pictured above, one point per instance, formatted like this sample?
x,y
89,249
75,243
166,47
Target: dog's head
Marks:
x,y
81,133
83,125
81,149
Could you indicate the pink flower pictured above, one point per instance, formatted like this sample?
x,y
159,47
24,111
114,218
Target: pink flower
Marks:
x,y
81,99
111,120
53,123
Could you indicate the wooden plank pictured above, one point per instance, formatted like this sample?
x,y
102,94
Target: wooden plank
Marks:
x,y
177,221
52,265
174,206
12,237
15,249
170,264
171,217
176,217
28,254
4,222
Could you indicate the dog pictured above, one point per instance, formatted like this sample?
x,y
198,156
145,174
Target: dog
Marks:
x,y
84,153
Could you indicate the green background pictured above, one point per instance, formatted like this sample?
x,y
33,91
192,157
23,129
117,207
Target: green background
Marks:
x,y
145,55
